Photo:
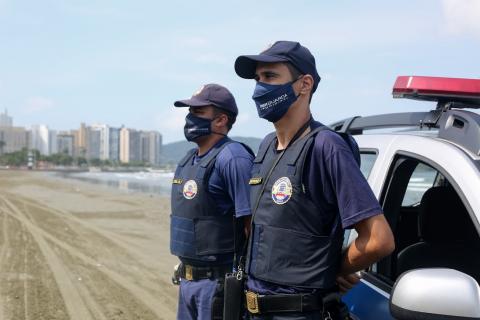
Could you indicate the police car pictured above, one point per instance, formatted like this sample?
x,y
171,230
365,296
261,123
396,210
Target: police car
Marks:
x,y
427,179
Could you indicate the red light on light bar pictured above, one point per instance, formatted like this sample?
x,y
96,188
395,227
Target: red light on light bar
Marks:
x,y
438,89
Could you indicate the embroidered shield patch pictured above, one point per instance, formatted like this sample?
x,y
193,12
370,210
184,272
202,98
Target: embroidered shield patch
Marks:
x,y
282,190
190,189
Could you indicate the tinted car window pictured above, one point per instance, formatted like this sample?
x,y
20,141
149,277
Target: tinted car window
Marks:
x,y
421,180
367,161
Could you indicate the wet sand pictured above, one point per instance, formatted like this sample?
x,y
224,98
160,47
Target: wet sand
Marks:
x,y
72,250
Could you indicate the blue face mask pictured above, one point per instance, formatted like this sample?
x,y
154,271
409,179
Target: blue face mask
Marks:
x,y
196,127
273,100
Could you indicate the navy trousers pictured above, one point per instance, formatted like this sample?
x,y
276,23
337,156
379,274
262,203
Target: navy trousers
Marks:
x,y
195,299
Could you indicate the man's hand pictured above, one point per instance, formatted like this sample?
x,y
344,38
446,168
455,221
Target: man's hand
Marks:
x,y
347,282
374,241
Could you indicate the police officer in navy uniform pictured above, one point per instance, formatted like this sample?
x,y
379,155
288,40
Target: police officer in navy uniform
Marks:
x,y
306,188
210,202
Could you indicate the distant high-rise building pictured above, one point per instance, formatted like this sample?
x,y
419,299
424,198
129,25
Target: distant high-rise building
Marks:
x,y
114,144
80,139
66,143
74,133
93,143
5,120
40,139
151,142
97,141
104,146
14,139
130,145
52,142
145,146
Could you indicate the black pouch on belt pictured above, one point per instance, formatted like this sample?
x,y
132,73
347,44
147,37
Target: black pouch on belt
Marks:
x,y
233,304
233,307
334,308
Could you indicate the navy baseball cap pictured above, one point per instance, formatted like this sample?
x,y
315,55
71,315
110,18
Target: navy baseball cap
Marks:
x,y
211,95
281,51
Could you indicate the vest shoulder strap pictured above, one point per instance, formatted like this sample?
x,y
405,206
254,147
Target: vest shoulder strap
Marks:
x,y
267,141
187,157
249,150
212,155
307,142
303,150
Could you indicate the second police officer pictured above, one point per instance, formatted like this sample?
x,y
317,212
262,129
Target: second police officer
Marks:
x,y
306,189
210,188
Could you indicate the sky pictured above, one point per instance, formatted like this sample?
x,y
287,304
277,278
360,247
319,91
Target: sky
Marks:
x,y
125,62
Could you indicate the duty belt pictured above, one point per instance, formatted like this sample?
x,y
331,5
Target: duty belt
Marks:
x,y
260,304
193,273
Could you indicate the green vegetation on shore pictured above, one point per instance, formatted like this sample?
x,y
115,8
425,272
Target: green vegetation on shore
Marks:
x,y
171,154
20,159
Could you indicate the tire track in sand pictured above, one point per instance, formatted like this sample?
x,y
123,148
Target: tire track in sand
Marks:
x,y
25,279
3,250
92,306
132,249
147,299
76,308
70,219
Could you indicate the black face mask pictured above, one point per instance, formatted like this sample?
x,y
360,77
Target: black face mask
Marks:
x,y
196,127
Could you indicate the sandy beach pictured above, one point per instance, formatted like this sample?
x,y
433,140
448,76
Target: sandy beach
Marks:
x,y
73,250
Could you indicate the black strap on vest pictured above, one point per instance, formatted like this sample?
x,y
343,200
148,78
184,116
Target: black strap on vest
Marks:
x,y
187,157
206,164
294,157
264,147
257,202
212,155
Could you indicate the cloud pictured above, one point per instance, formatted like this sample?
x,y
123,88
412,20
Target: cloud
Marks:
x,y
462,16
38,104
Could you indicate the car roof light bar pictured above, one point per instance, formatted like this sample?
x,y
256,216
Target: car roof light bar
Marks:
x,y
448,92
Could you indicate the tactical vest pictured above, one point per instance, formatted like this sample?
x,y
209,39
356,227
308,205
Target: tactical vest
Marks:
x,y
197,230
287,247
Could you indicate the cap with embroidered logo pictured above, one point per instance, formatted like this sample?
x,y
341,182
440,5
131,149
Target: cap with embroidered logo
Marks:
x,y
211,95
281,51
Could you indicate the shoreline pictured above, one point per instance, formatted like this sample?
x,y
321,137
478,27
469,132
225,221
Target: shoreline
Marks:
x,y
74,170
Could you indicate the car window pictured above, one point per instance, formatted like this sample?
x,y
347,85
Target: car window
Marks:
x,y
422,179
367,161
430,222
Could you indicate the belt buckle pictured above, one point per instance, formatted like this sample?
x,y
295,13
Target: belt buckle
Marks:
x,y
252,302
188,272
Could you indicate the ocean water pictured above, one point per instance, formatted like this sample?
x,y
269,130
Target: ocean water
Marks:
x,y
160,182
147,182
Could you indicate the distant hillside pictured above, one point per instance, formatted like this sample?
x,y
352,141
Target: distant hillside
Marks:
x,y
173,152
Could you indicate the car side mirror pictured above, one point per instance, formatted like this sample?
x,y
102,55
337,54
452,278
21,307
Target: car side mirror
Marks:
x,y
435,294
